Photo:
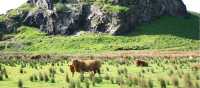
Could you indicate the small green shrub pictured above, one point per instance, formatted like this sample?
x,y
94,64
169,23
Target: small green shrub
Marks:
x,y
150,84
115,8
53,80
61,70
130,82
46,78
31,78
81,77
21,70
112,80
163,83
20,84
98,79
1,76
35,77
41,77
87,84
5,72
119,80
135,81
67,78
175,82
197,77
107,77
52,71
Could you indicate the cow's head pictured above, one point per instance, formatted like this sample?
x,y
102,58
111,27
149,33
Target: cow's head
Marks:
x,y
75,62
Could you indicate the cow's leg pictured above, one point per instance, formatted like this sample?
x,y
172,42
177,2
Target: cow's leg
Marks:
x,y
98,70
94,71
73,74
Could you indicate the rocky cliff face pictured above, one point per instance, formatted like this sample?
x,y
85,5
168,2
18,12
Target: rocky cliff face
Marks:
x,y
115,17
52,22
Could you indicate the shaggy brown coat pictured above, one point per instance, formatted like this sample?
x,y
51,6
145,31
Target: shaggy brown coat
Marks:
x,y
141,63
85,66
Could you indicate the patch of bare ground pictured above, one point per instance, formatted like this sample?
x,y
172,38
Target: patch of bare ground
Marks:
x,y
105,55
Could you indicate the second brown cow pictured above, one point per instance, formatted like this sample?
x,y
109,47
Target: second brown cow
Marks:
x,y
141,63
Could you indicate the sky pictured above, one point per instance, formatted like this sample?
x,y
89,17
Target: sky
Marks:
x,y
192,5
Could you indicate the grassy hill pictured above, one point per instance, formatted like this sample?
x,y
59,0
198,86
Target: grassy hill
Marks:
x,y
165,33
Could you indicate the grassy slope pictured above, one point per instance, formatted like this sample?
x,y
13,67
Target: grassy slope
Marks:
x,y
166,33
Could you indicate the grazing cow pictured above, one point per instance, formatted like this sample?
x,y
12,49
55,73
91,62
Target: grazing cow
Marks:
x,y
85,66
141,63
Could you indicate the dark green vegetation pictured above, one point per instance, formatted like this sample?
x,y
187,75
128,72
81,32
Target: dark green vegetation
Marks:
x,y
183,27
111,8
166,33
116,73
106,5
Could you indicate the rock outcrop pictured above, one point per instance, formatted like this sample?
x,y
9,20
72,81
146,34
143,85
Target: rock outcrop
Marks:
x,y
92,17
140,11
44,4
51,22
112,23
12,23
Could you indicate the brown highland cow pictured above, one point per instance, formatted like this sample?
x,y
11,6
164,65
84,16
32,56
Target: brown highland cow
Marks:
x,y
85,66
141,63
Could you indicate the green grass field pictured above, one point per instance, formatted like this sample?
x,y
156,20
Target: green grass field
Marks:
x,y
119,73
165,33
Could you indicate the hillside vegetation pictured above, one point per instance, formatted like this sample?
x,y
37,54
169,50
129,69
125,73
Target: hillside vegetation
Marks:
x,y
160,73
166,33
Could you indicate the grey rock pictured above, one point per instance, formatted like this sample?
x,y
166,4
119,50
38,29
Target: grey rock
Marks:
x,y
146,10
112,23
51,22
43,4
